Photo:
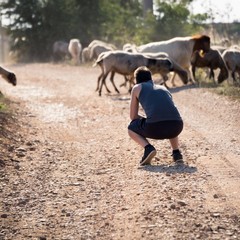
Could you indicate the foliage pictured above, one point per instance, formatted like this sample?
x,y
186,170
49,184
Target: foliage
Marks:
x,y
227,88
174,19
3,106
171,18
229,91
119,20
36,24
228,31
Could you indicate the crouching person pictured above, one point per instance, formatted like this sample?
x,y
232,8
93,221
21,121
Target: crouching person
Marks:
x,y
163,120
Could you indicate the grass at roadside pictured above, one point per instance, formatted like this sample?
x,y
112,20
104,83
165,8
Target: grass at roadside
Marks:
x,y
3,103
8,127
231,90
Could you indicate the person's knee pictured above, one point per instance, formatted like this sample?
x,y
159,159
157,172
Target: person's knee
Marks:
x,y
130,132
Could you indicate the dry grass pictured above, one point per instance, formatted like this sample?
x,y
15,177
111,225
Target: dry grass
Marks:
x,y
3,103
227,88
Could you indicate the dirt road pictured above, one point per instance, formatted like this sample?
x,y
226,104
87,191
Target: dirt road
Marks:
x,y
69,170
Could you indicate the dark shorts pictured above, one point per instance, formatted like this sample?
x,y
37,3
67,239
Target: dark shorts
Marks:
x,y
158,130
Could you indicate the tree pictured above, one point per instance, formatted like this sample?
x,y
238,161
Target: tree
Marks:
x,y
175,19
147,6
36,24
119,20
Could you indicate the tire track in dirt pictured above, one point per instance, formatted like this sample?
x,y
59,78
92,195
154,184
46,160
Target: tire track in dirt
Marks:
x,y
215,139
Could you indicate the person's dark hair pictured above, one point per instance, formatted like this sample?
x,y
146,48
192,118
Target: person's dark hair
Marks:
x,y
142,74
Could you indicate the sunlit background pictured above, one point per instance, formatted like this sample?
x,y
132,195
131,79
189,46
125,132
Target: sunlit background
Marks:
x,y
222,10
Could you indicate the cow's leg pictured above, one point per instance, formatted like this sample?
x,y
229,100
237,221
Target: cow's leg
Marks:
x,y
131,83
165,78
107,89
98,81
112,81
172,79
194,71
124,84
233,76
103,82
211,75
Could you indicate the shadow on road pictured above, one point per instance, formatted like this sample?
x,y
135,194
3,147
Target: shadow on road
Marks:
x,y
171,169
118,97
182,88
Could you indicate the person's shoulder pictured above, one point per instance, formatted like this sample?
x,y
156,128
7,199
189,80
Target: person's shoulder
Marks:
x,y
137,86
161,87
136,89
164,88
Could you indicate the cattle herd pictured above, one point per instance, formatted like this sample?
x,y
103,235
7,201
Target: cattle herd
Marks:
x,y
179,56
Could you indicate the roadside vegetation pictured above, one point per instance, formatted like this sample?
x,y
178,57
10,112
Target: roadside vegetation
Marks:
x,y
227,88
3,103
7,127
231,91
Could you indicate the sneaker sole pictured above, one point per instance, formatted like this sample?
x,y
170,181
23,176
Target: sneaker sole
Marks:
x,y
179,161
149,158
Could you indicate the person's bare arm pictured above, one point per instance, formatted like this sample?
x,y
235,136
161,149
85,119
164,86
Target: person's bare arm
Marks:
x,y
134,104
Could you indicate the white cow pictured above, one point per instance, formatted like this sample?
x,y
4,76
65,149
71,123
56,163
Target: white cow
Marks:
x,y
75,49
231,57
179,49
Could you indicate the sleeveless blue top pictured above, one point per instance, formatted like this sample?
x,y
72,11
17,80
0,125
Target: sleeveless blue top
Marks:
x,y
157,103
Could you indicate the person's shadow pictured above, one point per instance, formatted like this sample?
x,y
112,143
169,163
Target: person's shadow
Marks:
x,y
169,169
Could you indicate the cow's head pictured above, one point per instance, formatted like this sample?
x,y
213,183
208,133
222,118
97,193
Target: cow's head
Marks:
x,y
201,42
11,78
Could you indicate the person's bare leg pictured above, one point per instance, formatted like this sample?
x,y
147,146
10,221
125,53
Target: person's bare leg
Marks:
x,y
149,150
138,138
176,153
174,143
